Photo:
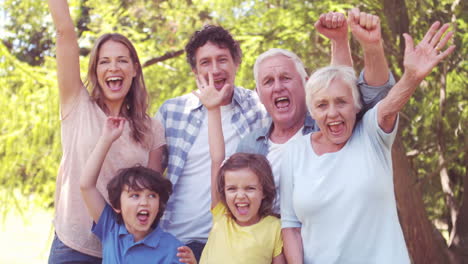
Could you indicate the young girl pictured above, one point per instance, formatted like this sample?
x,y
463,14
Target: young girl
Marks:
x,y
242,193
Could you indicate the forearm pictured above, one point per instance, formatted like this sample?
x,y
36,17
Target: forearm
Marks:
x,y
94,164
395,101
292,245
341,53
217,149
375,65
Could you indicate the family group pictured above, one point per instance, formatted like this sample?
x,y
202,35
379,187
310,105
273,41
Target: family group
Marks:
x,y
298,170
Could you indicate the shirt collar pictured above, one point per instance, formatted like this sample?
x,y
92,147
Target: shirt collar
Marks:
x,y
309,126
151,240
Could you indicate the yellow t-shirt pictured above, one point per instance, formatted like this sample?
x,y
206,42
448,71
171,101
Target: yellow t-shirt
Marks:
x,y
230,243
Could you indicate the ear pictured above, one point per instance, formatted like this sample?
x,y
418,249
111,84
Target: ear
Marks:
x,y
194,70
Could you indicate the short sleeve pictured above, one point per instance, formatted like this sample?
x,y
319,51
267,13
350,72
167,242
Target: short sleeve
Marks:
x,y
105,223
157,130
372,128
288,215
219,211
278,240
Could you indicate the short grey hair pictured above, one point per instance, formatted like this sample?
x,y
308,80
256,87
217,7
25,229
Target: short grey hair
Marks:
x,y
324,76
275,52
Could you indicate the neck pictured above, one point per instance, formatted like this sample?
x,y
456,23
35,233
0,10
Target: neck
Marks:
x,y
113,108
321,145
281,133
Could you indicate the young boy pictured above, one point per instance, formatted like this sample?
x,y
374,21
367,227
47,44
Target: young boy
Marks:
x,y
128,227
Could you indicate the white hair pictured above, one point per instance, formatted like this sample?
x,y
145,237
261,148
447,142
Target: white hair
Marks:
x,y
277,52
323,77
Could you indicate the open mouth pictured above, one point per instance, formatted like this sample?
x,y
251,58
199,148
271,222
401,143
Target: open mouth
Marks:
x,y
282,102
336,127
143,216
219,83
242,208
114,83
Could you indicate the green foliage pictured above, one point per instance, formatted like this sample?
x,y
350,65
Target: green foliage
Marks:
x,y
30,131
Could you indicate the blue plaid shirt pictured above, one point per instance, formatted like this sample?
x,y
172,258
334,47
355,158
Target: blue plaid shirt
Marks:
x,y
182,118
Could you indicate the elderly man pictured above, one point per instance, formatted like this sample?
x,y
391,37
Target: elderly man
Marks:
x,y
280,78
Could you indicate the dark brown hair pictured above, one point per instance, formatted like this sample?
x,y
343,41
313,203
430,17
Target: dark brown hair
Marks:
x,y
136,101
260,166
217,35
138,178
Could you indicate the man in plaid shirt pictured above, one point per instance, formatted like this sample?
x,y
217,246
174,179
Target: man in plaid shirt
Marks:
x,y
212,49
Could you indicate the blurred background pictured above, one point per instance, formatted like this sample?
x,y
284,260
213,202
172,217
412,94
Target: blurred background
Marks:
x,y
430,159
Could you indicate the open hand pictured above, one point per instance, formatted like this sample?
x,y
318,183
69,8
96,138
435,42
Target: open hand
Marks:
x,y
208,94
186,255
113,128
420,60
365,27
333,25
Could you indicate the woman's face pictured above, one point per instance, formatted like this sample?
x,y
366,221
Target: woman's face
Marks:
x,y
115,71
334,111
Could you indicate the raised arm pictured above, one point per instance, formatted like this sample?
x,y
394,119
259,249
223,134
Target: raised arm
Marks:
x,y
68,64
333,25
366,29
418,62
212,100
92,197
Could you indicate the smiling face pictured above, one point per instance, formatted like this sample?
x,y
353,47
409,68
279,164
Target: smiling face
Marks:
x,y
334,110
218,61
281,90
244,195
139,209
115,71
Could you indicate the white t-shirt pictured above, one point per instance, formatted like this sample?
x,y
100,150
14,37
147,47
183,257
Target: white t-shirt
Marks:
x,y
344,201
274,156
191,198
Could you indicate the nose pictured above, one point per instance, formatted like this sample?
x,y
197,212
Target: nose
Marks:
x,y
215,67
143,200
114,66
241,194
277,86
332,110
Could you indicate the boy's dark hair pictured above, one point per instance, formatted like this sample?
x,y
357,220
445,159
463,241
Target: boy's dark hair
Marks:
x,y
217,35
260,166
138,178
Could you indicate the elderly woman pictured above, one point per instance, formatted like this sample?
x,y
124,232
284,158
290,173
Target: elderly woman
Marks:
x,y
337,198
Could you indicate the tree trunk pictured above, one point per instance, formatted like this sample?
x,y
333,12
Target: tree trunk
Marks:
x,y
424,246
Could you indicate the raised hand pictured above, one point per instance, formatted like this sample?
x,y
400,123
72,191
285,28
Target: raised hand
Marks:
x,y
364,27
208,94
420,60
113,128
332,25
186,255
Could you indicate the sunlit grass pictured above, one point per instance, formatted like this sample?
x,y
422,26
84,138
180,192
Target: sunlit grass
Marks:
x,y
26,237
